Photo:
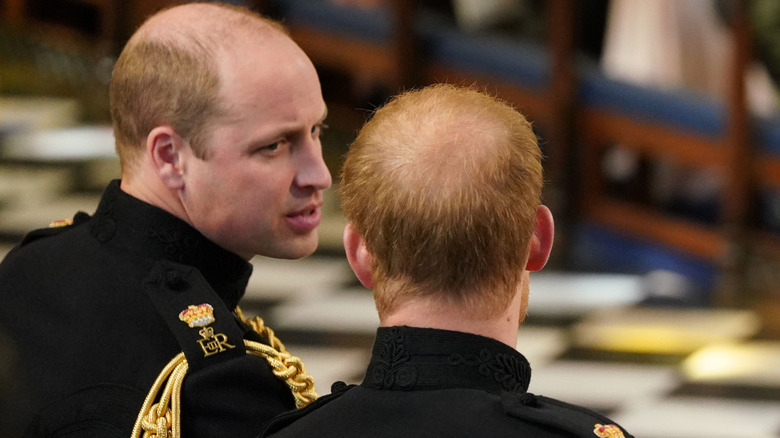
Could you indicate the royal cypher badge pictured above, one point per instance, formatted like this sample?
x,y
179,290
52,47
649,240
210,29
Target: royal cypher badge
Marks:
x,y
61,223
607,431
202,315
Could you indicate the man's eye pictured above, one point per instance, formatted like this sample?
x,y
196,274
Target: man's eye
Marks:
x,y
269,148
317,129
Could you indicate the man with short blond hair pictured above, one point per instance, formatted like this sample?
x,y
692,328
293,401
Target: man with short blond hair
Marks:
x,y
127,320
442,191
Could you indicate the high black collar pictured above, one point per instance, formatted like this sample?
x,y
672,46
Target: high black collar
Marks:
x,y
410,358
139,228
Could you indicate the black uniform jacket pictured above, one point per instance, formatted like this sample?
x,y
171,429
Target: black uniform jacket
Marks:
x,y
92,311
437,383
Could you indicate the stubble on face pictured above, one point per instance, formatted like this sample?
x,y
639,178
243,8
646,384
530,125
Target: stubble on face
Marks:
x,y
250,195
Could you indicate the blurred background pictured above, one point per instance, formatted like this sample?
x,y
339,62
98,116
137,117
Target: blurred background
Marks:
x,y
660,127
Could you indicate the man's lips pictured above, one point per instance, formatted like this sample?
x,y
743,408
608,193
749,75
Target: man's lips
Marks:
x,y
306,219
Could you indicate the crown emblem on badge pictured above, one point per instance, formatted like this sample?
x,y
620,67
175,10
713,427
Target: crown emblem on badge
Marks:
x,y
199,315
607,431
61,223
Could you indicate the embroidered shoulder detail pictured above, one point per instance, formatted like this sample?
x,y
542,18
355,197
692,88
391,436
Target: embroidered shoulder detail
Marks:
x,y
174,244
607,431
59,223
392,368
505,369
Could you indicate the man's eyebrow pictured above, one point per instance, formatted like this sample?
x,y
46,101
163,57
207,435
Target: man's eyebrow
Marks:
x,y
288,132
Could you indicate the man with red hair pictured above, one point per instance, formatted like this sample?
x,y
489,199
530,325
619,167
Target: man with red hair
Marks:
x,y
442,191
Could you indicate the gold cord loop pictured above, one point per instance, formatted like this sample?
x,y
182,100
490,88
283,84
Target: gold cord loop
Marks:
x,y
285,366
163,418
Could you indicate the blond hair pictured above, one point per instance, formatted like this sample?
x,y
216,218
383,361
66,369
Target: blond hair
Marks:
x,y
443,183
168,74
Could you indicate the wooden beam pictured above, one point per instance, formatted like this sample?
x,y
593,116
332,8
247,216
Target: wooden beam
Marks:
x,y
656,141
687,236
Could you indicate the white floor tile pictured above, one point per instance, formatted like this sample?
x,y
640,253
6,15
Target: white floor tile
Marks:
x,y
601,385
23,220
293,279
694,417
557,294
36,113
71,144
26,187
541,345
349,311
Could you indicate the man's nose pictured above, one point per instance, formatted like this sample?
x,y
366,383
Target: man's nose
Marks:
x,y
313,171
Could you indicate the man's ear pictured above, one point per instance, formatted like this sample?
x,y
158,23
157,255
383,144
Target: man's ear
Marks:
x,y
358,256
542,239
165,147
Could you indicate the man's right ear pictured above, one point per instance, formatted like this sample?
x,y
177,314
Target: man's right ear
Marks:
x,y
165,148
358,256
541,240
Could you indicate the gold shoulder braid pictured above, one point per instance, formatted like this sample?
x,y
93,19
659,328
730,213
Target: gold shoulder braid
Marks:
x,y
285,366
163,418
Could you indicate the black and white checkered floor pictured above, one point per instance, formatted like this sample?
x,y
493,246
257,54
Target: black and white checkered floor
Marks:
x,y
660,372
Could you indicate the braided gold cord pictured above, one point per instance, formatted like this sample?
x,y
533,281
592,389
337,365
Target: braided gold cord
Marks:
x,y
163,419
159,420
285,366
288,368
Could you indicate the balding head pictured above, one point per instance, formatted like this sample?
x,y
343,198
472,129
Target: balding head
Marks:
x,y
168,73
443,184
211,26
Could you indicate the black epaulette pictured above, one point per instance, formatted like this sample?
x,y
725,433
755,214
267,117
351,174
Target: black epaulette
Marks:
x,y
201,322
573,419
281,421
209,336
55,228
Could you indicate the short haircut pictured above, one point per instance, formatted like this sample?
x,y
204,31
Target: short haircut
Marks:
x,y
171,76
443,183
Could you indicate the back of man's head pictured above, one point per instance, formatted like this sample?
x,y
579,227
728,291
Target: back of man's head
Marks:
x,y
443,184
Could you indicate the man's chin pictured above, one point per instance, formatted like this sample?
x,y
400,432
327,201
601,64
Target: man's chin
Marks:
x,y
297,249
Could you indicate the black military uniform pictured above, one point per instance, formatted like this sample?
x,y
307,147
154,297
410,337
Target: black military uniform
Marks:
x,y
438,383
95,311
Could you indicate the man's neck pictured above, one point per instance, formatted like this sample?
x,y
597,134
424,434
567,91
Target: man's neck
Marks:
x,y
427,314
150,190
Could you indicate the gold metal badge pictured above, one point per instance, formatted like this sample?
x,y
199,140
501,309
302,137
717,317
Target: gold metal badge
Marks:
x,y
211,343
198,316
608,431
61,223
202,315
